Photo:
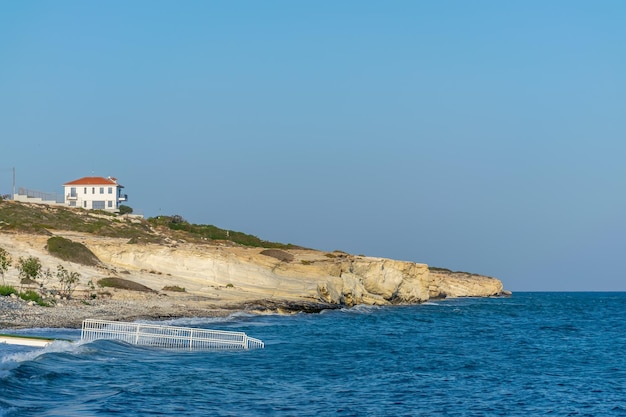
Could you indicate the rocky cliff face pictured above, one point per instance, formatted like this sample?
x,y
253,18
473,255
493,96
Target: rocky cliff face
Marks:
x,y
443,284
237,274
335,278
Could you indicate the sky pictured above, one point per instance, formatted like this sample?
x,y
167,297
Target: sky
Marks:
x,y
482,136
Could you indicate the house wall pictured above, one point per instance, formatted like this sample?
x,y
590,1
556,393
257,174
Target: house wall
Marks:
x,y
98,197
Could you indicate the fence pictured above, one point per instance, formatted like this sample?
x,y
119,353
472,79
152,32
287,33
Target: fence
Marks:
x,y
167,336
41,195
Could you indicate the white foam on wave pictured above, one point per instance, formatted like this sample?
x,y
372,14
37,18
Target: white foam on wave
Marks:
x,y
361,309
200,321
13,360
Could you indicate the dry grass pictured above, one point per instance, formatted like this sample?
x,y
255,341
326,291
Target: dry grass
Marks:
x,y
281,255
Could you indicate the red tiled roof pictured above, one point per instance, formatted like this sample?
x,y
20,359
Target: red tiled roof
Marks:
x,y
94,181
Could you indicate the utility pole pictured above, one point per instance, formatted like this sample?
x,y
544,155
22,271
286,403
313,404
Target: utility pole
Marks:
x,y
13,196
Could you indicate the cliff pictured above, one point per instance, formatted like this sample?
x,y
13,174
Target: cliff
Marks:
x,y
207,266
224,274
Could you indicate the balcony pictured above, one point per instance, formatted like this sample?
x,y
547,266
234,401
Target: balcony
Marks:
x,y
123,197
71,197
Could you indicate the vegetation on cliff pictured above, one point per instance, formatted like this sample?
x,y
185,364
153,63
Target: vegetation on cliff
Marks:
x,y
43,286
210,232
40,219
68,250
114,282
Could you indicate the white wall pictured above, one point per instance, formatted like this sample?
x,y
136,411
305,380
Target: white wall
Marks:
x,y
88,196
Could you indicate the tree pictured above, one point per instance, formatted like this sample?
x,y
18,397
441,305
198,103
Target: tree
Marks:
x,y
5,262
125,209
29,269
68,281
177,219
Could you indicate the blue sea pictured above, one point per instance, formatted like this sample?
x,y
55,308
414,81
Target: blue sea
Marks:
x,y
532,354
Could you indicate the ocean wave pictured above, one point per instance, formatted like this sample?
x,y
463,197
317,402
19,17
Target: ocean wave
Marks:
x,y
13,360
233,318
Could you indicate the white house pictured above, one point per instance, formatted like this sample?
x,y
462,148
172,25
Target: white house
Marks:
x,y
96,193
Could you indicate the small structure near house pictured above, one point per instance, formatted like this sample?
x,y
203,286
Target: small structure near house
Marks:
x,y
95,193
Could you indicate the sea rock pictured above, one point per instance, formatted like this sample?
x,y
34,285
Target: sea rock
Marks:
x,y
444,284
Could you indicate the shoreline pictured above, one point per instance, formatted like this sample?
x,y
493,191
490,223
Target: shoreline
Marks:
x,y
18,314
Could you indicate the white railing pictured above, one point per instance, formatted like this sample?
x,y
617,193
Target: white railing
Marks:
x,y
167,336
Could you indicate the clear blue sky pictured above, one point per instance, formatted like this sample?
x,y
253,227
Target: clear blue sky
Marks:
x,y
484,136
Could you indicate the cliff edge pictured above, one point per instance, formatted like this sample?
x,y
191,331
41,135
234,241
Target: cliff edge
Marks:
x,y
239,274
182,269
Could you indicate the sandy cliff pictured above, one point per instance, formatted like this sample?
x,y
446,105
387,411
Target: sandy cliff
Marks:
x,y
222,274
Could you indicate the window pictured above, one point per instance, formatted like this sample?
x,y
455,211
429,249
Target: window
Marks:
x,y
85,204
110,190
93,190
98,205
73,192
72,203
101,190
85,190
110,204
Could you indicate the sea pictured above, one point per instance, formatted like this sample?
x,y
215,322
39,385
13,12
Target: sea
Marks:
x,y
531,354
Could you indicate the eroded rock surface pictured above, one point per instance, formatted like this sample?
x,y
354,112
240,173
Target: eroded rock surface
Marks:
x,y
225,274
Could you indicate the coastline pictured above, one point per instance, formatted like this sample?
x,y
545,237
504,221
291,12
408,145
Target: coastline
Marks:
x,y
168,274
18,314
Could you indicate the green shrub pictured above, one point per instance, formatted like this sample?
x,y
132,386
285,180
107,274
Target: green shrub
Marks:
x,y
6,290
5,262
68,281
204,231
174,288
123,284
67,250
125,209
29,269
31,295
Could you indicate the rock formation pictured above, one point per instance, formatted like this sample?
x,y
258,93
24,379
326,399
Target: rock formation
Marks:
x,y
240,274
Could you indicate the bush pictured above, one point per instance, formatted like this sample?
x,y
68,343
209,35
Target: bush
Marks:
x,y
5,262
29,269
6,290
204,232
174,288
123,284
125,209
31,295
68,281
67,250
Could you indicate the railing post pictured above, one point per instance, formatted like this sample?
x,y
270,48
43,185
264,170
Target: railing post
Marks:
x,y
137,334
191,340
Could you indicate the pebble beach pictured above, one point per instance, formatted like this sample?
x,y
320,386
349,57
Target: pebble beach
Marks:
x,y
18,314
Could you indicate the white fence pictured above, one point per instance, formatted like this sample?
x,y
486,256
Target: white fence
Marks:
x,y
167,336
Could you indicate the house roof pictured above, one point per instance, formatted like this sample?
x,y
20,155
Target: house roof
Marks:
x,y
94,181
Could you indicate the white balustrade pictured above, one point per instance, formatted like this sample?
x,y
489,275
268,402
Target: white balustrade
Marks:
x,y
163,336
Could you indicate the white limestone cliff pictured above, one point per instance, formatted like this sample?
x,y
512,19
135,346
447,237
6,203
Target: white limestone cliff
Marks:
x,y
236,274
